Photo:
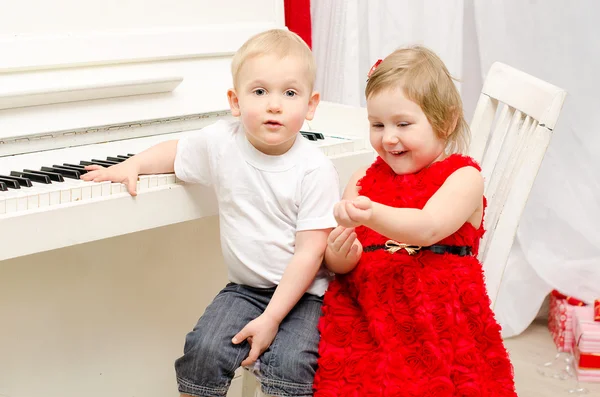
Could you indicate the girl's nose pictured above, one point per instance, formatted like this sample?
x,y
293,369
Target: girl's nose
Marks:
x,y
389,138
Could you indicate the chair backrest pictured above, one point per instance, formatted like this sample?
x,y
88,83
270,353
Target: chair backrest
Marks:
x,y
511,130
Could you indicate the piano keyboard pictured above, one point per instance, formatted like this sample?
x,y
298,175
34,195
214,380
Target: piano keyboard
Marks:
x,y
47,179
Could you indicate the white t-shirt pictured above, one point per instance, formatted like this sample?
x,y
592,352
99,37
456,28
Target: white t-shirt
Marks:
x,y
263,200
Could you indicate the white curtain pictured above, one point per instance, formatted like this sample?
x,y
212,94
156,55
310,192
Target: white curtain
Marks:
x,y
559,233
558,241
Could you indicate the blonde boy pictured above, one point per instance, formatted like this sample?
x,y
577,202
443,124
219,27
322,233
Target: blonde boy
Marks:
x,y
276,193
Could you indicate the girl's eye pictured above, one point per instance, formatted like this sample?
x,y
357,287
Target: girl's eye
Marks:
x,y
403,124
259,92
376,125
290,93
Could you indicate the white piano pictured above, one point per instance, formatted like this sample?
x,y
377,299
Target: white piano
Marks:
x,y
98,289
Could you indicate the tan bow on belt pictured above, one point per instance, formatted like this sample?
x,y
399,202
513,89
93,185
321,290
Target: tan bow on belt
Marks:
x,y
392,246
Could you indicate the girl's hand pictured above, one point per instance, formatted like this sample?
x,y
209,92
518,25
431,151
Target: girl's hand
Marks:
x,y
353,213
342,242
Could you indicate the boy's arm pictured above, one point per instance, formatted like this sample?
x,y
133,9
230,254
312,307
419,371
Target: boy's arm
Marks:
x,y
298,276
158,159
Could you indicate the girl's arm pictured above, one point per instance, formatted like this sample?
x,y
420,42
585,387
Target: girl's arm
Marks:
x,y
343,248
458,200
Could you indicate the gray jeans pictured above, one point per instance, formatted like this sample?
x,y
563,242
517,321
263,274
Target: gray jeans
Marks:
x,y
287,367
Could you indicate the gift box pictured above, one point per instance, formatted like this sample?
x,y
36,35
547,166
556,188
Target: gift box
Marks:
x,y
586,344
560,321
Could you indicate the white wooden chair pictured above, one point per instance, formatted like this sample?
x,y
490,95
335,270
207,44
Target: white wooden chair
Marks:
x,y
511,129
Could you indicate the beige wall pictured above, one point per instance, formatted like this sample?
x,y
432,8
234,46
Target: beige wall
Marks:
x,y
109,317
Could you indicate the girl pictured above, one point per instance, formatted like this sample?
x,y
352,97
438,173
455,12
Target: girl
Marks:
x,y
408,313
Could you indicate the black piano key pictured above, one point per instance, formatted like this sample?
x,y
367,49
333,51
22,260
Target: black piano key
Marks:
x,y
309,135
107,161
102,163
52,175
31,176
130,155
68,167
76,166
318,135
22,181
116,159
63,171
3,187
123,157
9,183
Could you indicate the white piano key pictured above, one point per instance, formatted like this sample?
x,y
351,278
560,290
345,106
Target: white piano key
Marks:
x,y
143,183
2,205
115,188
65,195
106,189
11,204
33,201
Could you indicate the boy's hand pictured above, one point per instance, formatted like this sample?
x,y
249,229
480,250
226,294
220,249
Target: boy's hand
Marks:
x,y
342,242
125,173
352,213
260,333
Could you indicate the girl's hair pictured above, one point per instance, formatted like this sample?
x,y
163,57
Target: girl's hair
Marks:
x,y
425,80
279,42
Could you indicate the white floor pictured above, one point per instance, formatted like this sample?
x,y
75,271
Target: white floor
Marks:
x,y
532,348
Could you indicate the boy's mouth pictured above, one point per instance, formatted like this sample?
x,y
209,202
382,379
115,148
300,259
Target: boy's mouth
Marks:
x,y
273,123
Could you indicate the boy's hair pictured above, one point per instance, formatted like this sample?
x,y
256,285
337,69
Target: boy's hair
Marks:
x,y
425,80
277,42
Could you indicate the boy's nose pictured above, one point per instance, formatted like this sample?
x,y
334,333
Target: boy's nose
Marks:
x,y
274,105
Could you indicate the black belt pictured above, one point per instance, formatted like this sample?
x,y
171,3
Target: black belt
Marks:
x,y
392,246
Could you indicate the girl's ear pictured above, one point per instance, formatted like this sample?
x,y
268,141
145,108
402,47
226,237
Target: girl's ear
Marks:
x,y
452,125
234,103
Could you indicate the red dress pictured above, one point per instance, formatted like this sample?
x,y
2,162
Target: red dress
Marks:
x,y
412,325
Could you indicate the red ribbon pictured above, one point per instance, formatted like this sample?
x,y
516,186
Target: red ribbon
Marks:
x,y
587,360
374,67
570,300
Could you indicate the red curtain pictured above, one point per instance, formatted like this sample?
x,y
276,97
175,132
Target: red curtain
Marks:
x,y
297,19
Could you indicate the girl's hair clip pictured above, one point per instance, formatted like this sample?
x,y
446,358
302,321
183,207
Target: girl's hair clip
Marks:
x,y
373,68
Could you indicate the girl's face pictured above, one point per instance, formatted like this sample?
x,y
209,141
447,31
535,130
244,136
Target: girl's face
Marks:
x,y
401,133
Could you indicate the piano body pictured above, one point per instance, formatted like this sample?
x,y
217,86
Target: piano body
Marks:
x,y
98,289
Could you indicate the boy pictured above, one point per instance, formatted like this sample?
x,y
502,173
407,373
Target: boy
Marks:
x,y
276,194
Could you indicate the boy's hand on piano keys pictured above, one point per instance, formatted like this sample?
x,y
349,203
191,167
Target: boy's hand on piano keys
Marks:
x,y
125,173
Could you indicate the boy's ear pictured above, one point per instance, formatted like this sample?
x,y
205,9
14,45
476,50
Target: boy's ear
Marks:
x,y
234,103
314,100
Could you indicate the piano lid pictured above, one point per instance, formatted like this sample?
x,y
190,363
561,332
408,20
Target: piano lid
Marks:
x,y
70,83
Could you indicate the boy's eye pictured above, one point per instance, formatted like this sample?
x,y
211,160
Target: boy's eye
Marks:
x,y
259,91
376,125
290,93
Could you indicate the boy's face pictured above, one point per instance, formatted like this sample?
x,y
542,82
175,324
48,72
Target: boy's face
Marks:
x,y
273,97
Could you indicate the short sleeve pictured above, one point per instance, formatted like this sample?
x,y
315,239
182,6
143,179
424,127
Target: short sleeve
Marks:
x,y
193,158
320,192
